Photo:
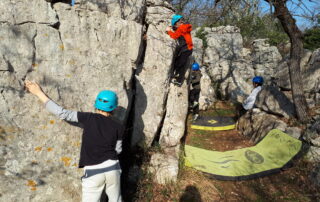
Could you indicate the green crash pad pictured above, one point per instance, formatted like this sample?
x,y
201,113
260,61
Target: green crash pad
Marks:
x,y
270,155
216,123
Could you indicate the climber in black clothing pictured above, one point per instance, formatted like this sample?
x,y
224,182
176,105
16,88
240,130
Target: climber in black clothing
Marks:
x,y
195,91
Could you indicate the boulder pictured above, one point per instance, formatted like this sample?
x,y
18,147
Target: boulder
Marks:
x,y
310,69
313,154
273,101
165,166
207,93
224,43
226,65
256,124
197,50
281,73
174,122
152,77
232,78
265,59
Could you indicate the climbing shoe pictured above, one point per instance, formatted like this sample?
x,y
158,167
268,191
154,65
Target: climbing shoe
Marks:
x,y
177,83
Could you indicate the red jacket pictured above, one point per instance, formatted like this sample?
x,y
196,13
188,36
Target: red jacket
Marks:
x,y
183,34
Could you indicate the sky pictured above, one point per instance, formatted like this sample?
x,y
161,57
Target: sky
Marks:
x,y
297,9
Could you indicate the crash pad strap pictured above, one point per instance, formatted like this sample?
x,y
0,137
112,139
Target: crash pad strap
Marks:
x,y
213,128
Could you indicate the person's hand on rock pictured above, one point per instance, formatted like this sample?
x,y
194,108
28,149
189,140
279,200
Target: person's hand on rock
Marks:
x,y
33,87
36,90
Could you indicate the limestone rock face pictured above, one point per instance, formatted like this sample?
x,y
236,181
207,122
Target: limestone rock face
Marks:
x,y
175,120
312,78
74,52
273,101
224,43
197,49
152,80
207,93
127,10
282,72
310,69
265,59
226,63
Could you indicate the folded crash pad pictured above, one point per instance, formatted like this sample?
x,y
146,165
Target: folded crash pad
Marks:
x,y
270,155
216,123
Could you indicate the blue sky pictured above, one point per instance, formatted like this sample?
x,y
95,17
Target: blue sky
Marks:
x,y
298,8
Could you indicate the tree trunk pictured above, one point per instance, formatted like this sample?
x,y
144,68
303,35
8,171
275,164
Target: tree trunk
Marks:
x,y
289,25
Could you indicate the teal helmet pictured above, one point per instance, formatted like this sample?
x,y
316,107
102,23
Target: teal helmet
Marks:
x,y
175,19
195,67
106,101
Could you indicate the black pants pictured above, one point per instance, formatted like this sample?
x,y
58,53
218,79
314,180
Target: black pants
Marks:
x,y
180,69
194,97
240,110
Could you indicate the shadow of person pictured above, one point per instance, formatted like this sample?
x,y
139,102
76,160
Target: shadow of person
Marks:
x,y
191,194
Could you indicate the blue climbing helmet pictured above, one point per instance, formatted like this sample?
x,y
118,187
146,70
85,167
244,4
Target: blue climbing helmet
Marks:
x,y
195,67
257,79
106,101
175,19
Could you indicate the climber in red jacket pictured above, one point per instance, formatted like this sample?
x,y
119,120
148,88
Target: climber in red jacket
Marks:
x,y
182,33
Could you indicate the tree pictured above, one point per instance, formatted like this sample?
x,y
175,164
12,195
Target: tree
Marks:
x,y
289,25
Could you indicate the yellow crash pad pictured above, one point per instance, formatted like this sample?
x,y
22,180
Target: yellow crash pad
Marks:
x,y
268,156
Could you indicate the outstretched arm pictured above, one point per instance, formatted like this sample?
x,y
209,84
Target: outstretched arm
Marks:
x,y
51,106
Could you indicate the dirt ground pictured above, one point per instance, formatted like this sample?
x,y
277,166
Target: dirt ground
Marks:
x,y
292,184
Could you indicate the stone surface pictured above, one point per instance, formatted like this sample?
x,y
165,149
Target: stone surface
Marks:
x,y
207,93
315,175
294,132
165,166
312,134
265,59
223,43
226,65
313,154
198,49
74,52
256,124
152,77
273,101
174,122
281,73
310,69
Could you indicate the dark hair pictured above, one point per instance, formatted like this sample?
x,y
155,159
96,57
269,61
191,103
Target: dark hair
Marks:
x,y
259,84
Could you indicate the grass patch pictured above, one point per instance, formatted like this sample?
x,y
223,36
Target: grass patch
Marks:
x,y
219,112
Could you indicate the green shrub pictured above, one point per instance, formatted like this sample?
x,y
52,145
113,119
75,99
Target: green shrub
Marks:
x,y
312,38
201,34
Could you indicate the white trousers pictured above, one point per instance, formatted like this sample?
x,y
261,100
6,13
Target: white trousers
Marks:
x,y
92,187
